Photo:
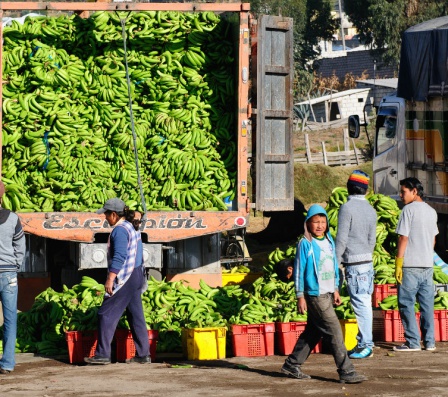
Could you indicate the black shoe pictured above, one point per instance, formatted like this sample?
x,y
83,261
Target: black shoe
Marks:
x,y
4,371
139,360
97,360
294,372
352,377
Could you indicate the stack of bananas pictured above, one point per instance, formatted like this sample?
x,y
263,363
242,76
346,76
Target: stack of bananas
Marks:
x,y
66,133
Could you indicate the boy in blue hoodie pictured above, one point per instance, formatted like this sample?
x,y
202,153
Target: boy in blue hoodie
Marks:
x,y
316,279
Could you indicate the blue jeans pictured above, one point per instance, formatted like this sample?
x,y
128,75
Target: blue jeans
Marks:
x,y
8,296
360,288
417,283
323,323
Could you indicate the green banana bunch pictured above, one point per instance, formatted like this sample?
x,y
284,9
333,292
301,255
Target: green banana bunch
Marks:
x,y
66,133
439,276
441,300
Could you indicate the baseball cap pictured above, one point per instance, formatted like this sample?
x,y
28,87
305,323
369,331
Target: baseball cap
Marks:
x,y
2,189
359,178
113,204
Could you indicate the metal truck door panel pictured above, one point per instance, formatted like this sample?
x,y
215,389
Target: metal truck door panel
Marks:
x,y
93,256
199,255
385,164
274,150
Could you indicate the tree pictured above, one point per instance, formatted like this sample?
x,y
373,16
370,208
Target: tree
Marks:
x,y
312,22
380,23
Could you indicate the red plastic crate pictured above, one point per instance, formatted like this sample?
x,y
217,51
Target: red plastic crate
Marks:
x,y
126,346
441,325
381,291
253,340
393,327
81,344
286,335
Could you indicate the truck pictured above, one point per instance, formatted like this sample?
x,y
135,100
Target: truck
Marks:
x,y
411,130
179,243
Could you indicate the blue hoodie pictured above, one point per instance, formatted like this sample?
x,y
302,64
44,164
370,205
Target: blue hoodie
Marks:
x,y
307,257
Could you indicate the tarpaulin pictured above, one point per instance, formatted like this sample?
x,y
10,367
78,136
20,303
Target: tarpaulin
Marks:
x,y
423,64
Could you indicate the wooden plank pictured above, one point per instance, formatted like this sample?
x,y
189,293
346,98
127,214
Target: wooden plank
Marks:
x,y
307,148
274,140
324,153
356,151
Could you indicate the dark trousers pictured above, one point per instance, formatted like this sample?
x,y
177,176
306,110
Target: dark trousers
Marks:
x,y
128,298
323,323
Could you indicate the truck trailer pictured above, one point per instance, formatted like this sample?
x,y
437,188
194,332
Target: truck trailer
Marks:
x,y
181,242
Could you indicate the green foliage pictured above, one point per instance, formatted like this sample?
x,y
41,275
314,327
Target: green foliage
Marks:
x,y
380,23
312,22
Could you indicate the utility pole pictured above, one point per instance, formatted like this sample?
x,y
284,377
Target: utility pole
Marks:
x,y
342,27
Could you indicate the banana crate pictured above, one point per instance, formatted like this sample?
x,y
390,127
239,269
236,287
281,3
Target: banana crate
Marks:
x,y
253,340
286,335
204,343
126,347
387,326
349,329
239,278
81,344
381,291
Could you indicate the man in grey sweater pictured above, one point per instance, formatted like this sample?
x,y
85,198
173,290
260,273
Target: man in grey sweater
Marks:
x,y
12,252
355,242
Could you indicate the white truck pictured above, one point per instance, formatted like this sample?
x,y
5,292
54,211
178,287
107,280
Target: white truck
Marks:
x,y
411,130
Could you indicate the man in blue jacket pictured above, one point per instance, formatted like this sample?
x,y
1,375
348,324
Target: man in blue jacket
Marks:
x,y
316,279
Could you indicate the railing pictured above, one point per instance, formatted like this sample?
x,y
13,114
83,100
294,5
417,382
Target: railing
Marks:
x,y
346,157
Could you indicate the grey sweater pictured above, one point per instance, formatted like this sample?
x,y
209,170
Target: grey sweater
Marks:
x,y
356,235
12,241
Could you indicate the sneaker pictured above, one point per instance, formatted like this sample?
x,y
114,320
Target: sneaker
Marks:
x,y
352,377
354,350
430,348
97,360
4,371
406,348
294,372
139,360
361,353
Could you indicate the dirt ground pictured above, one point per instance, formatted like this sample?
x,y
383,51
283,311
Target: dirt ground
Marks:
x,y
390,374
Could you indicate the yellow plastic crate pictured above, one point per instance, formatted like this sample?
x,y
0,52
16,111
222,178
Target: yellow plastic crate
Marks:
x,y
349,332
204,343
239,278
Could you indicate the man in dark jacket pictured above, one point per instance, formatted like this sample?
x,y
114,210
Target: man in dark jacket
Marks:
x,y
12,252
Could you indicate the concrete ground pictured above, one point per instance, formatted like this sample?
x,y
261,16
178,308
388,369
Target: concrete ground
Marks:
x,y
390,374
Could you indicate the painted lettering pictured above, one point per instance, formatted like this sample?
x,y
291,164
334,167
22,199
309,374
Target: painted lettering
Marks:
x,y
175,223
53,222
59,222
190,223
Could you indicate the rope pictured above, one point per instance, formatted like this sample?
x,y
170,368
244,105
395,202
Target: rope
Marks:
x,y
131,115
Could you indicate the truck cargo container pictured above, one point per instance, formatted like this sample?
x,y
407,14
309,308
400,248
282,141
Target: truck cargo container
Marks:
x,y
182,244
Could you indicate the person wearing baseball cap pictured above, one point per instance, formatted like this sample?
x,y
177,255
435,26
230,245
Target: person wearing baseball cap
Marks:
x,y
113,205
12,253
123,286
355,242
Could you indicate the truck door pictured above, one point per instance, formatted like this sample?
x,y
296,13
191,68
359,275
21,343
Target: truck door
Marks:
x,y
273,182
386,171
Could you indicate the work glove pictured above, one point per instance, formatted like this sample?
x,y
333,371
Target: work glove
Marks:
x,y
399,269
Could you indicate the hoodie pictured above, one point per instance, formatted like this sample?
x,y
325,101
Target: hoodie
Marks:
x,y
306,277
12,241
